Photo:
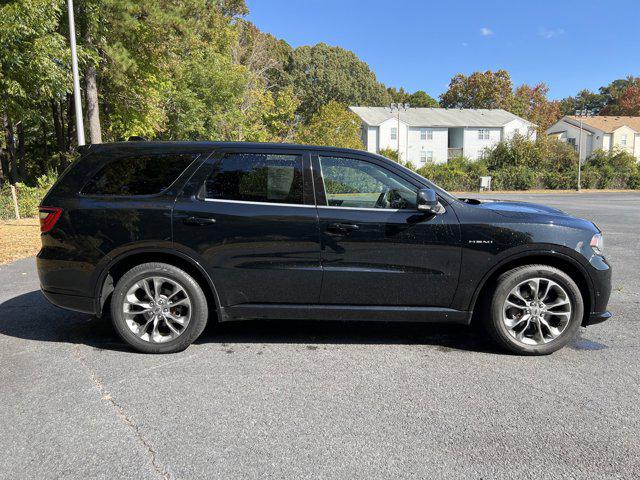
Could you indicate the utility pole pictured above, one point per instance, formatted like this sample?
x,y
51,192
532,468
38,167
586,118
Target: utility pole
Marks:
x,y
397,107
581,114
77,96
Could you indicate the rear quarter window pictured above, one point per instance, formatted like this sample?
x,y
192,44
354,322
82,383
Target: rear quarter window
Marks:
x,y
138,175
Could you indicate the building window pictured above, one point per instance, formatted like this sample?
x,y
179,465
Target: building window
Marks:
x,y
623,140
483,134
426,134
426,156
394,133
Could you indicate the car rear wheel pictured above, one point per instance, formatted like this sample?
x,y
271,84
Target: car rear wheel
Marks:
x,y
535,310
158,308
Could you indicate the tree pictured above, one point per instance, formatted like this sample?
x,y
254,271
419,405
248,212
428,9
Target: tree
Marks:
x,y
532,104
34,70
321,73
629,101
479,90
613,93
584,100
333,125
416,99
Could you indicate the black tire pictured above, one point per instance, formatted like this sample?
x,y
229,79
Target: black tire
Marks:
x,y
198,306
493,319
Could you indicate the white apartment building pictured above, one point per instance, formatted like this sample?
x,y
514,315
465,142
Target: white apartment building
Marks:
x,y
436,134
599,133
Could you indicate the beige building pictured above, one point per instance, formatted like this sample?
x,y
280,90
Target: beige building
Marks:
x,y
599,133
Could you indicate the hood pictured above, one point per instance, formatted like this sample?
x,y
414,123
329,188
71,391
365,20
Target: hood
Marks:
x,y
514,209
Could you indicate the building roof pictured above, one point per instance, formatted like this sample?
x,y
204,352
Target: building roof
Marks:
x,y
608,124
438,117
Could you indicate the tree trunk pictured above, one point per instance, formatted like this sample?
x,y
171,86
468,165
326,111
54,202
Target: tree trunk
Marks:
x,y
21,160
12,169
70,120
45,145
4,164
57,126
91,92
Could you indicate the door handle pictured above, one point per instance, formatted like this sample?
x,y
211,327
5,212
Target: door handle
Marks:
x,y
342,228
199,221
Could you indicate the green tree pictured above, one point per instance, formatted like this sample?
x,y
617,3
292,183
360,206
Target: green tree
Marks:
x,y
333,125
34,70
479,90
584,100
532,104
321,73
417,99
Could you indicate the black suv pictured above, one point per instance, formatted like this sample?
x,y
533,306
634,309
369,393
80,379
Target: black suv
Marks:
x,y
171,234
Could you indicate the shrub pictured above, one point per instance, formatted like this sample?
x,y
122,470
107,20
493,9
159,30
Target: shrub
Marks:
x,y
514,178
615,169
457,174
390,153
29,197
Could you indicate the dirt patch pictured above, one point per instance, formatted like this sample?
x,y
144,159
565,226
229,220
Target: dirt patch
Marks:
x,y
19,239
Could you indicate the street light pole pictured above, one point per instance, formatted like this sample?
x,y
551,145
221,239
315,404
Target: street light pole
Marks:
x,y
581,114
398,107
77,97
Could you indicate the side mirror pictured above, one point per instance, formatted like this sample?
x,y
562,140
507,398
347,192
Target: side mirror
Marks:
x,y
428,201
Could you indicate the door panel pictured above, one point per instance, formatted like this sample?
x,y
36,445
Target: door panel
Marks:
x,y
384,256
255,251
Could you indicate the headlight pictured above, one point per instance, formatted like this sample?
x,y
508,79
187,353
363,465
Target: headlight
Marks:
x,y
597,243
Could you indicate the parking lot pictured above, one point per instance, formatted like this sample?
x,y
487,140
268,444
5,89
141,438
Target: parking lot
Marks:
x,y
324,399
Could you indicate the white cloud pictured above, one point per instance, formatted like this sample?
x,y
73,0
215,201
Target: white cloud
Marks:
x,y
486,32
550,32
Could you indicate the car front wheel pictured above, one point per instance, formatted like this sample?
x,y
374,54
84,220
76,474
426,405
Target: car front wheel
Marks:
x,y
158,308
535,310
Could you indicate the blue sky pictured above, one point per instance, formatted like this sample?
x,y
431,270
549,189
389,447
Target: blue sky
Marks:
x,y
568,44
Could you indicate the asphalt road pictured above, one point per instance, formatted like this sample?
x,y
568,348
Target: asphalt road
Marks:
x,y
323,400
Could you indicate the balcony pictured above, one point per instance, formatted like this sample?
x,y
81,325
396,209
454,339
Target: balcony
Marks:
x,y
454,152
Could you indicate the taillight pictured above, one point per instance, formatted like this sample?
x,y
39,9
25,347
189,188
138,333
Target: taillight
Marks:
x,y
48,217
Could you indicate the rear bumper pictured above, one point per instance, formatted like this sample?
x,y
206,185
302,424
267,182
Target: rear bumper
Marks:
x,y
71,302
598,317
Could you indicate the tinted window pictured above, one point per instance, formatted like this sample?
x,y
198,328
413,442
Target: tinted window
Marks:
x,y
355,183
141,175
257,177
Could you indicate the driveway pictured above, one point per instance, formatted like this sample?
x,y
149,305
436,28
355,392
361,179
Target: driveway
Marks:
x,y
321,399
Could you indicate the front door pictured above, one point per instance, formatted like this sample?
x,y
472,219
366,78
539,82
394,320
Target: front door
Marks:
x,y
250,217
377,248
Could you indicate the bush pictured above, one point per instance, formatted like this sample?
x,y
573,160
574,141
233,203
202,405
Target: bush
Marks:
x,y
615,169
457,174
517,177
29,197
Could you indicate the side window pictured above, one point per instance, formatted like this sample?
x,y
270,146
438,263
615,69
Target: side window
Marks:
x,y
256,177
358,184
138,175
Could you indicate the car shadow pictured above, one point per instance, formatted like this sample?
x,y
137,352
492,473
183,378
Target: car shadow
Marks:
x,y
30,316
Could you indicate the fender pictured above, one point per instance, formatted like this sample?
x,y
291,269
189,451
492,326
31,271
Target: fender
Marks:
x,y
165,250
555,251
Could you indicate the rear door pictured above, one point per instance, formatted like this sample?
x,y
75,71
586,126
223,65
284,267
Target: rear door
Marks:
x,y
249,215
377,248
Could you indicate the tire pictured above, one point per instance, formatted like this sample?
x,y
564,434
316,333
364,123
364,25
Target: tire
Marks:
x,y
523,323
158,308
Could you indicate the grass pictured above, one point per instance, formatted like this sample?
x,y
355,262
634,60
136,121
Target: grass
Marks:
x,y
18,239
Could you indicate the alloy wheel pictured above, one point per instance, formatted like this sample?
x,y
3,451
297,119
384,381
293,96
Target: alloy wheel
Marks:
x,y
157,309
537,311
